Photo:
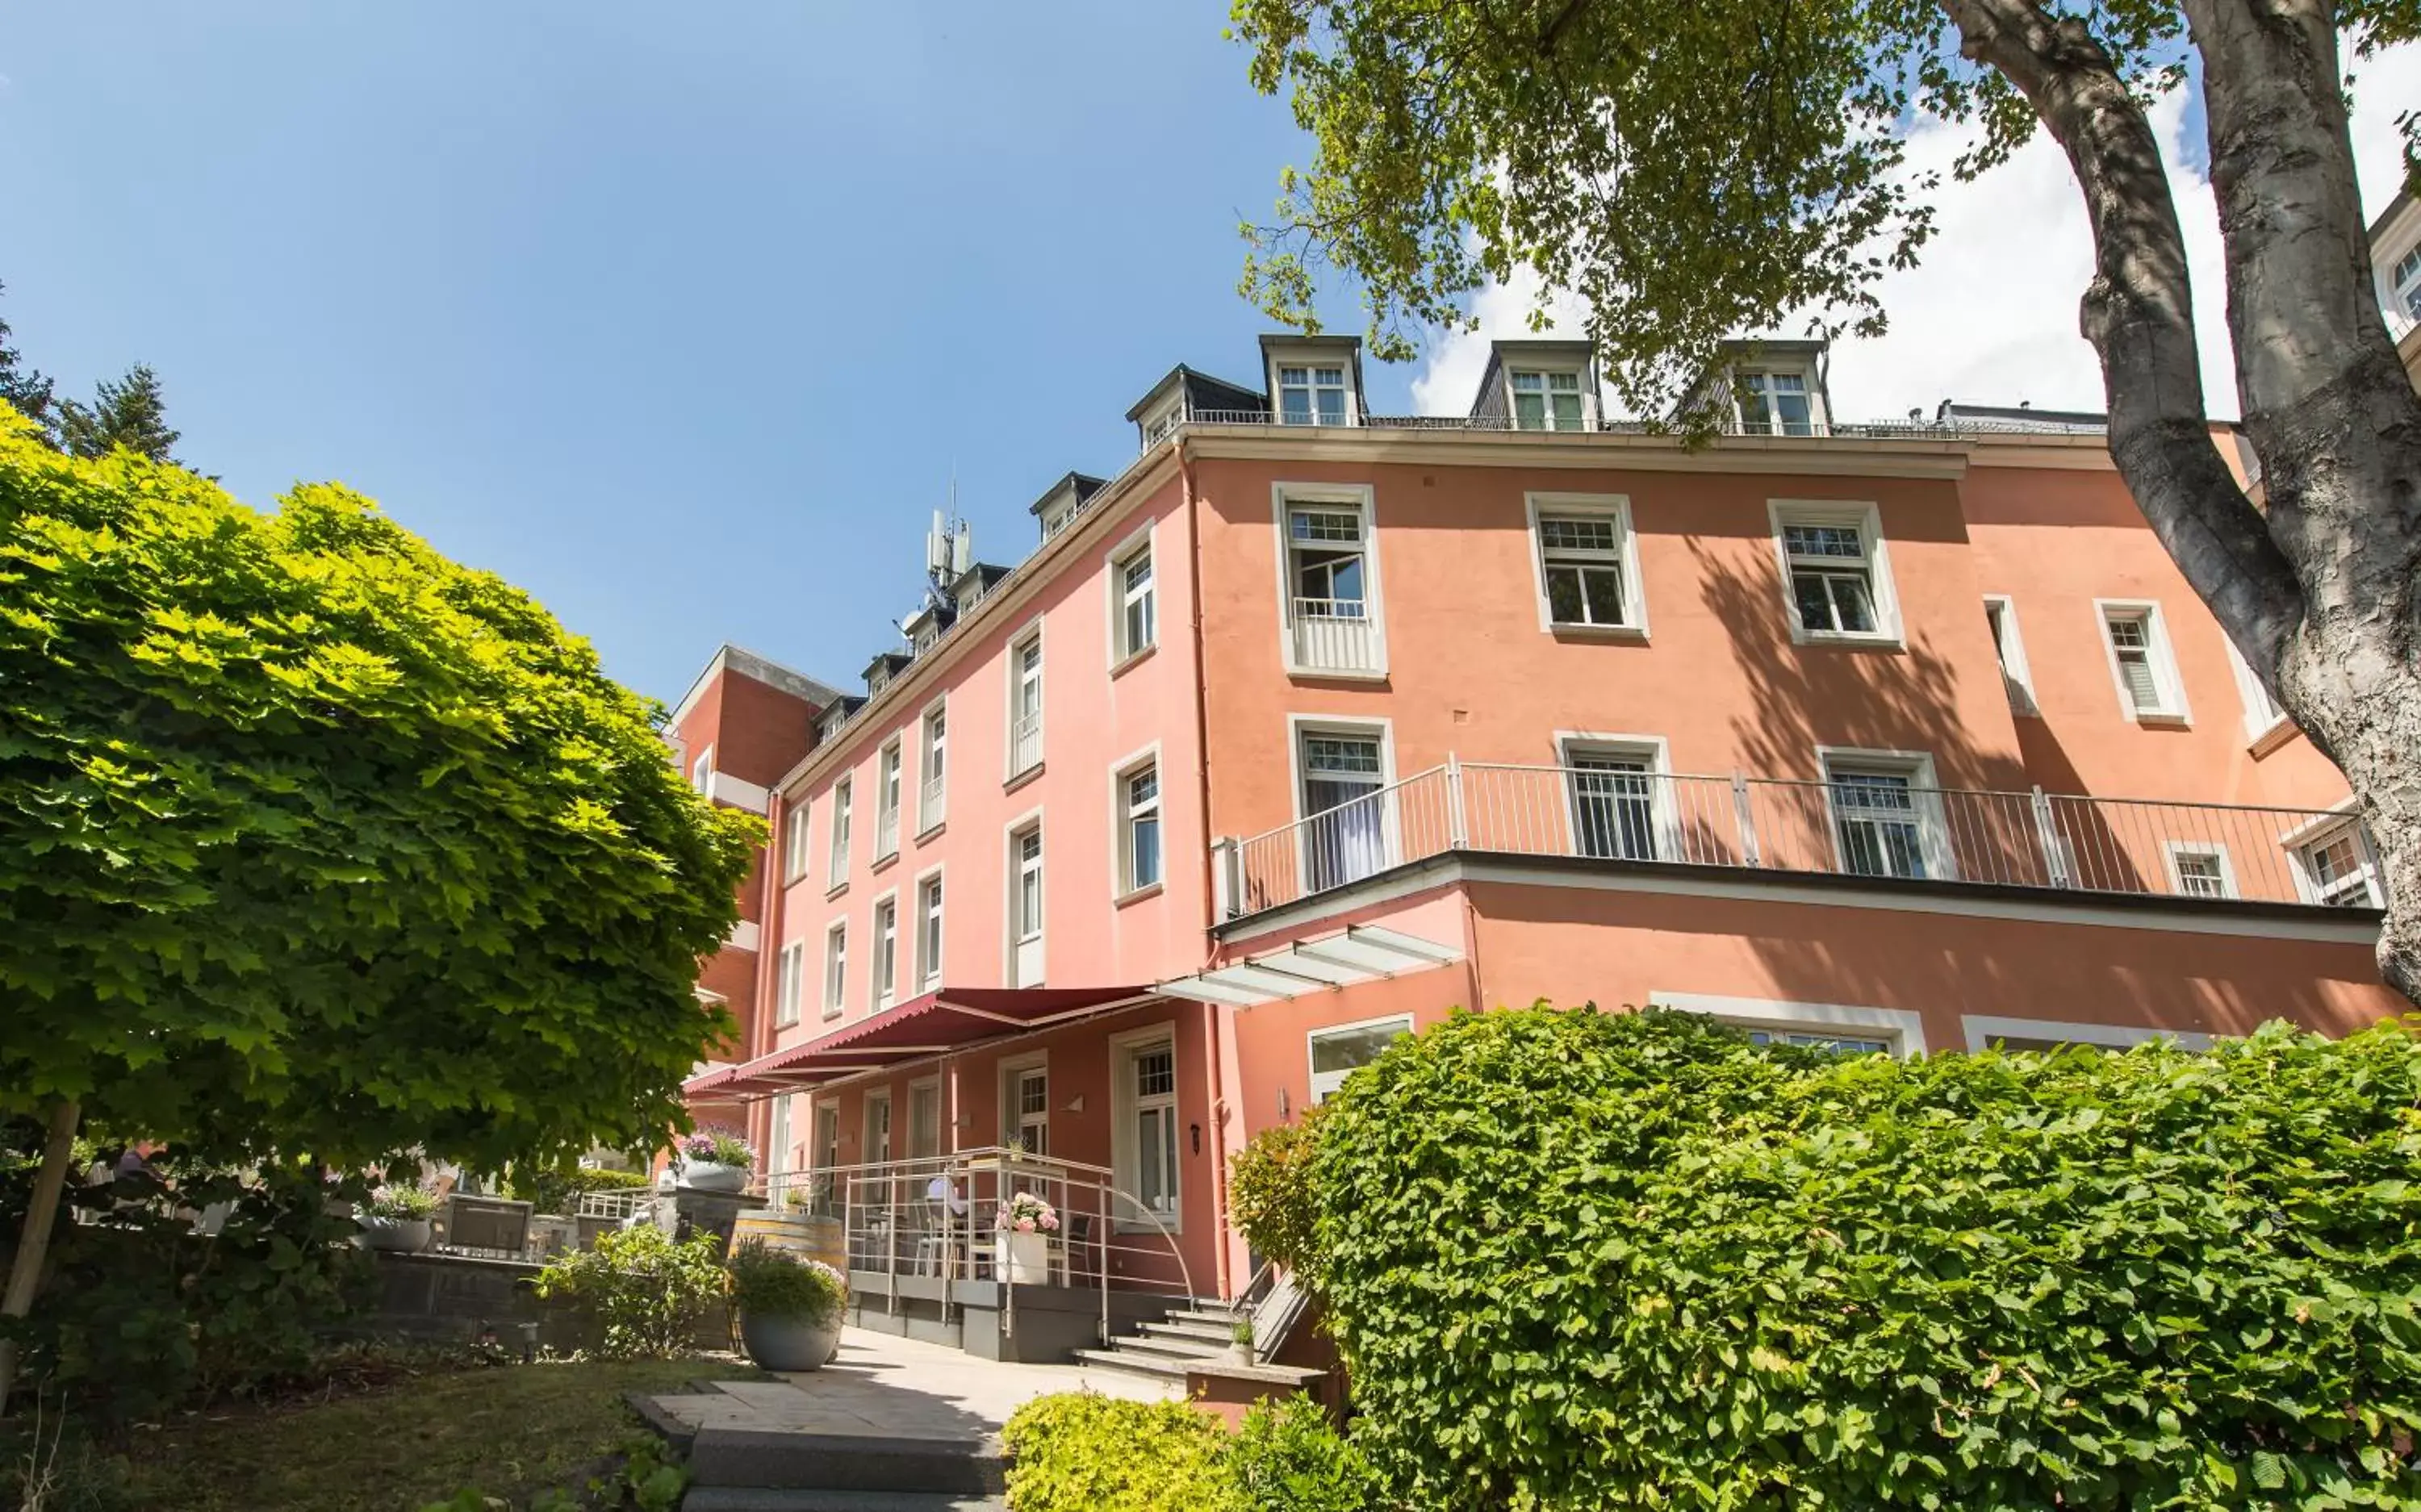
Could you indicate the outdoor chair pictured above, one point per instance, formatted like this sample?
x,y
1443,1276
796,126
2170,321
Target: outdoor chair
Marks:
x,y
489,1224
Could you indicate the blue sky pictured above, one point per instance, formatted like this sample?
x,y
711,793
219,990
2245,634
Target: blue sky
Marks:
x,y
679,317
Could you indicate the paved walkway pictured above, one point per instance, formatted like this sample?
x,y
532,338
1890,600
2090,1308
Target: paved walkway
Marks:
x,y
883,1386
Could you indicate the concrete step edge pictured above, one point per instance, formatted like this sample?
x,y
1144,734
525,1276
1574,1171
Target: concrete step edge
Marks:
x,y
792,1499
845,1462
1168,1367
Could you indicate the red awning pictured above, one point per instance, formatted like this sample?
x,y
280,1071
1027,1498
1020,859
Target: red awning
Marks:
x,y
918,1029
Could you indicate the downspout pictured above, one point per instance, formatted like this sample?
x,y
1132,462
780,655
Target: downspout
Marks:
x,y
1213,1014
769,932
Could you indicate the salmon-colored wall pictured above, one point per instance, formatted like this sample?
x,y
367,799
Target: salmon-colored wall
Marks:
x,y
2056,540
1092,720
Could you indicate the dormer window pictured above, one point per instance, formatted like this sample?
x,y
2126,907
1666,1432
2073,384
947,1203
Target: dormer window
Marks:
x,y
1163,423
2406,280
1775,402
1544,400
1057,520
1312,395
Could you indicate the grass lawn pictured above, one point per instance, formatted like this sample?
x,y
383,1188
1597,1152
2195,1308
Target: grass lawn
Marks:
x,y
508,1431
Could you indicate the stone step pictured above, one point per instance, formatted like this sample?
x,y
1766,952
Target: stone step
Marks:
x,y
1178,1348
1219,1317
1187,1328
834,1462
1164,1366
776,1499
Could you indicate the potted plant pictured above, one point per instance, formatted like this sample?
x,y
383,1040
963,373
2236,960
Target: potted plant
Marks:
x,y
1240,1337
1020,1244
715,1160
789,1307
397,1218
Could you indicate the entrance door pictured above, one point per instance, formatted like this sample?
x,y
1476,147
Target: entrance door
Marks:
x,y
924,1120
878,1128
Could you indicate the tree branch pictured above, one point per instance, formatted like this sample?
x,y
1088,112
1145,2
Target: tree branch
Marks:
x,y
2138,314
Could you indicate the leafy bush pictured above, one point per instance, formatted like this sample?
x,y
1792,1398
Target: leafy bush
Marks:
x,y
1269,1192
560,1190
775,1283
1287,1458
1079,1452
645,1292
1587,1260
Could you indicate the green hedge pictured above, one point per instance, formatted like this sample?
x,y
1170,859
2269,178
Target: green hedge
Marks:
x,y
1578,1260
1078,1451
558,1191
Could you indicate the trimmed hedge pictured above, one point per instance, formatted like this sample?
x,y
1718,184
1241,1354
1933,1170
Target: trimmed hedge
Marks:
x,y
1078,1451
1578,1260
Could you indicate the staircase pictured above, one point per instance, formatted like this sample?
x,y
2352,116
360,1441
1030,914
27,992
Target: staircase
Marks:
x,y
1164,1349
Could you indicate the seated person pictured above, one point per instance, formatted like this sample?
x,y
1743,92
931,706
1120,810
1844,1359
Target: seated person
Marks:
x,y
940,1190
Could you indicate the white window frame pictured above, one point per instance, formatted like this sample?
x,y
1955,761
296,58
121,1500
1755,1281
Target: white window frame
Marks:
x,y
795,843
2172,850
1982,1029
2316,835
1868,518
1547,372
1613,506
2404,293
1013,921
789,973
1162,423
1126,1111
1361,498
1664,813
835,991
1012,1112
1299,726
941,1117
844,807
2159,656
1818,423
1932,823
1319,1093
933,777
931,923
2262,715
882,987
1031,636
701,774
868,1154
1782,1016
890,795
2010,645
1143,543
1279,360
1123,887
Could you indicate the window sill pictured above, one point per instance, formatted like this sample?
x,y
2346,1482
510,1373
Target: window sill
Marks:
x,y
794,878
1304,674
2163,722
1020,779
930,831
2272,738
1167,1225
1132,659
1636,634
1139,894
834,891
884,864
1849,640
830,1014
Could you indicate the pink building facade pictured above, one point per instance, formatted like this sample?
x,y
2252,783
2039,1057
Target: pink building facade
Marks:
x,y
1311,725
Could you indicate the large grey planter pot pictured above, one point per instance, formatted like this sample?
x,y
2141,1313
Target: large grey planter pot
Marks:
x,y
706,1175
789,1344
408,1236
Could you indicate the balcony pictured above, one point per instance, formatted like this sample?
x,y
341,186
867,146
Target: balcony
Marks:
x,y
1026,743
2034,839
886,833
1335,636
933,804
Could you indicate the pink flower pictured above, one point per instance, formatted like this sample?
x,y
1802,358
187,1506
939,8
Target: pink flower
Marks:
x,y
1025,1225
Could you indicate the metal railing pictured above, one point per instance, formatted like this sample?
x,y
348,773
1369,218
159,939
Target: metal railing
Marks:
x,y
935,1217
1911,430
1335,636
1025,743
931,803
1848,827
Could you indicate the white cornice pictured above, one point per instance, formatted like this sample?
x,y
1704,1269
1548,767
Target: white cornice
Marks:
x,y
1599,450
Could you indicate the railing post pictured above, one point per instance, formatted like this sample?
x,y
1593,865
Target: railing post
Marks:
x,y
1223,883
1747,818
2047,835
1458,832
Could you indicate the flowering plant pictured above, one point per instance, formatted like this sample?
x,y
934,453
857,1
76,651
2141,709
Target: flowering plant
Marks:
x,y
1025,1213
720,1145
402,1204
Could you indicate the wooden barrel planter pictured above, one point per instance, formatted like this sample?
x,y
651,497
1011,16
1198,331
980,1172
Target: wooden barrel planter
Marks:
x,y
818,1238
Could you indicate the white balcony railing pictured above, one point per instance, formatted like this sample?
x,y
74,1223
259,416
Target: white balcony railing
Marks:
x,y
2010,839
1025,743
886,833
1335,636
933,804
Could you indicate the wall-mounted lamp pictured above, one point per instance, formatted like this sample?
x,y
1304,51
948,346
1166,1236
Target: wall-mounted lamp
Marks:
x,y
1075,1104
1197,1138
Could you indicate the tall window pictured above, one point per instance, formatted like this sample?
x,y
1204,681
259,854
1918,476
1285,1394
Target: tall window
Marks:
x,y
1775,404
933,803
788,983
1311,396
887,953
701,772
1831,578
826,1154
1139,829
878,1129
924,1120
838,867
1329,588
1026,706
886,801
1880,817
2408,284
1027,1103
1546,401
2337,869
1152,1106
1344,806
1137,626
1584,565
2262,711
929,933
1337,1053
794,844
777,1153
835,969
1614,804
1025,906
2016,680
2141,661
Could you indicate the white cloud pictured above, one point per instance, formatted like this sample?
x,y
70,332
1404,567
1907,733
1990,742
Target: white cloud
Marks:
x,y
1991,314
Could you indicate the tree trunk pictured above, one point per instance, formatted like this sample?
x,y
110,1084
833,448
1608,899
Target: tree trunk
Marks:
x,y
2316,586
35,1241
